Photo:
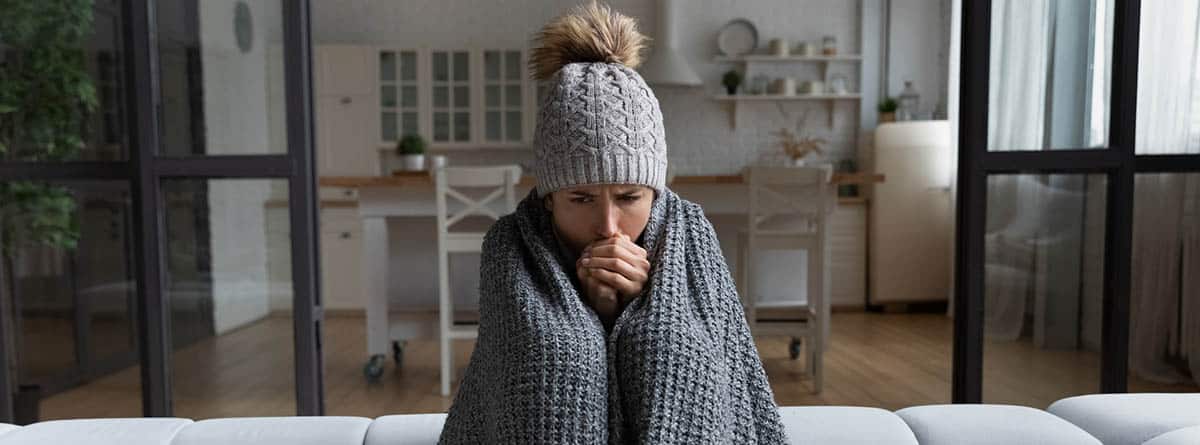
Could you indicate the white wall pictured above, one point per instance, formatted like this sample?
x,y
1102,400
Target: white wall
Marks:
x,y
918,50
700,138
236,110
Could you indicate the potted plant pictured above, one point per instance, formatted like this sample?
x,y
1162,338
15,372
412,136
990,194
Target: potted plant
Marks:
x,y
46,99
411,149
796,145
887,110
732,79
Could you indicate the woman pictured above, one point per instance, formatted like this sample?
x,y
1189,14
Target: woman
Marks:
x,y
607,313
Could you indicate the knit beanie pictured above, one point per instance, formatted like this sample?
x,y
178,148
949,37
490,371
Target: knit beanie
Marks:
x,y
598,123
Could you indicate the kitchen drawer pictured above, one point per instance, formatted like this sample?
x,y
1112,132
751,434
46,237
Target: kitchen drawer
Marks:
x,y
337,194
340,219
341,269
848,256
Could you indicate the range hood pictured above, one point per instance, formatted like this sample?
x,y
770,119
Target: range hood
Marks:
x,y
665,66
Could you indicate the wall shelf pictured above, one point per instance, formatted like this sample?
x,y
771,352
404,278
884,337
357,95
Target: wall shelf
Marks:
x,y
823,61
829,100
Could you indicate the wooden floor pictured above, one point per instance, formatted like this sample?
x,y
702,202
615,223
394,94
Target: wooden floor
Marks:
x,y
881,360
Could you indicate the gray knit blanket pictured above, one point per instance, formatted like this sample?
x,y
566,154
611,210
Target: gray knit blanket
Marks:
x,y
678,366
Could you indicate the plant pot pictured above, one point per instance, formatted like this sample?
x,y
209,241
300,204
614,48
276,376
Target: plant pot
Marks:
x,y
413,163
887,117
799,162
730,89
26,403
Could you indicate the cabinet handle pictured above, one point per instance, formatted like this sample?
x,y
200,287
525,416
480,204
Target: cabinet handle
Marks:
x,y
348,192
346,100
345,235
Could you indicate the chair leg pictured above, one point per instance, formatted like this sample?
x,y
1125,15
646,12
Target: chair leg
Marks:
x,y
738,277
816,360
444,318
818,368
818,301
749,298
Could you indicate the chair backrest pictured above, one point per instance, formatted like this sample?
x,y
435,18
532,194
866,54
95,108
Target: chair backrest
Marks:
x,y
497,181
797,197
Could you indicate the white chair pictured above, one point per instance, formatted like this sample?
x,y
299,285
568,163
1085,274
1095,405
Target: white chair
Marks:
x,y
788,210
502,180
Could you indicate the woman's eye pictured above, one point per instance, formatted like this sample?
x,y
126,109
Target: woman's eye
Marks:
x,y
581,200
630,198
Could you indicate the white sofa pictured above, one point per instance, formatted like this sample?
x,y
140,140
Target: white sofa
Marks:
x,y
1147,419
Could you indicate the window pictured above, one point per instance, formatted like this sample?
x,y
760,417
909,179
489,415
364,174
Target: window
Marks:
x,y
503,94
451,97
398,95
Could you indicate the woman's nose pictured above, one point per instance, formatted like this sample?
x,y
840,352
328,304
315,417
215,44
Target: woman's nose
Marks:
x,y
610,227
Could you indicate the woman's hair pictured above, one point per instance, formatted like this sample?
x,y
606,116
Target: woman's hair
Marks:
x,y
590,33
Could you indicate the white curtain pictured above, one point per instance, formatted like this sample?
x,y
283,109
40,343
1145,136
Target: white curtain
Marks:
x,y
1017,90
1165,302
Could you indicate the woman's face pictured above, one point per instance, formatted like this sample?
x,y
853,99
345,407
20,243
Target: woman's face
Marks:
x,y
594,212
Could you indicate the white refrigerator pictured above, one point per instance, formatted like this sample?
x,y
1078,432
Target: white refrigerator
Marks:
x,y
911,218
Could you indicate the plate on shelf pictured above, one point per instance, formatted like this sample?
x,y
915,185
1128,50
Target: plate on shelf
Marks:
x,y
738,37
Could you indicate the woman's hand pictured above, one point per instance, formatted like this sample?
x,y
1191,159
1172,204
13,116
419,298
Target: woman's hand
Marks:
x,y
619,264
602,298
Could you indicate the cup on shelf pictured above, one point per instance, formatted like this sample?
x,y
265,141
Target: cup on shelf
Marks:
x,y
804,49
812,87
837,84
785,86
779,47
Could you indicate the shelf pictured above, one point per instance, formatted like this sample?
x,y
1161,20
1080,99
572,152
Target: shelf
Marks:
x,y
829,99
783,59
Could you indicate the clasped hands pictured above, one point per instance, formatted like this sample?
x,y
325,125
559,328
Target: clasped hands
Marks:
x,y
613,271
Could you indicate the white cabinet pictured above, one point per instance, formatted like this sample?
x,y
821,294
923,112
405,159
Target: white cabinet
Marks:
x,y
848,255
340,261
344,70
341,258
344,111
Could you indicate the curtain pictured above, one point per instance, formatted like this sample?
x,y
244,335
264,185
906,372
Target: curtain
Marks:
x,y
1017,90
1165,299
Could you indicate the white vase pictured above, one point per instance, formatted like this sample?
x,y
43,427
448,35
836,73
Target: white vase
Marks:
x,y
799,162
413,163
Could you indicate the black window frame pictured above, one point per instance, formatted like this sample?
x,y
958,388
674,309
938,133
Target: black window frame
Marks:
x,y
145,170
1118,162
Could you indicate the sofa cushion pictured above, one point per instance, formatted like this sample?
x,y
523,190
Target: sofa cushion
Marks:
x,y
276,431
5,427
140,431
844,425
407,429
807,424
1118,419
990,424
1182,436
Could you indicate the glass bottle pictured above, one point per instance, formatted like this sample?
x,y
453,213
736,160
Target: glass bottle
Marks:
x,y
909,102
829,46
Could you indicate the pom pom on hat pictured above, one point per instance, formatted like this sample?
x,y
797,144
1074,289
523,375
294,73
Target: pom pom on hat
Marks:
x,y
590,33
